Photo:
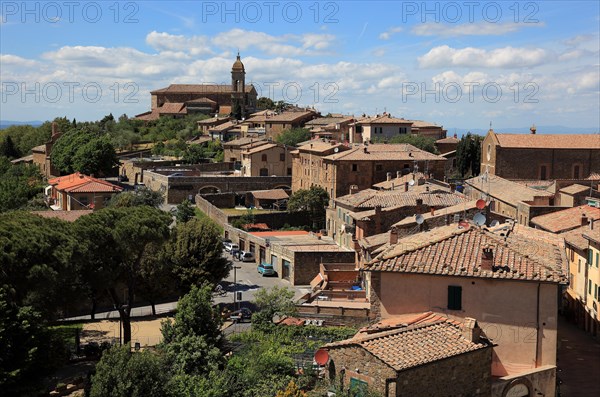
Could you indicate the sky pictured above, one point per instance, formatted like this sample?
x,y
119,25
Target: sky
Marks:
x,y
458,64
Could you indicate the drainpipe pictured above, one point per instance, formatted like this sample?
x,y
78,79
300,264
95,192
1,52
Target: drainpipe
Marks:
x,y
537,327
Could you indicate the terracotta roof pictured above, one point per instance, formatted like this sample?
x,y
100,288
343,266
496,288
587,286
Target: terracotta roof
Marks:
x,y
260,148
280,233
525,254
148,116
245,141
324,121
40,148
274,194
415,345
505,190
201,100
570,218
398,183
222,127
259,226
199,89
370,198
318,146
212,120
424,124
404,320
290,116
541,141
574,189
594,176
79,183
450,139
69,216
385,119
454,209
24,159
384,152
374,241
575,237
542,184
172,108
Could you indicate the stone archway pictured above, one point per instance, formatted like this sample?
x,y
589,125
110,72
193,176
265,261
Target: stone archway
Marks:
x,y
209,189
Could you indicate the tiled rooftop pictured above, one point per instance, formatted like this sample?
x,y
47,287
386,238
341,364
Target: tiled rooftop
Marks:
x,y
370,198
384,152
274,194
415,345
172,108
505,190
397,183
80,183
454,209
525,254
575,237
449,139
198,89
385,119
542,141
318,146
567,219
574,189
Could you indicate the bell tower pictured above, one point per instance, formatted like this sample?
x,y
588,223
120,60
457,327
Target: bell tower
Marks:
x,y
238,85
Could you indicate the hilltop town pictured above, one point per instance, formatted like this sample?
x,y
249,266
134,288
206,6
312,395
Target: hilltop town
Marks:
x,y
239,246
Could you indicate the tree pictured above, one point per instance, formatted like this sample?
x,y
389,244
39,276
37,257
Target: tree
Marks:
x,y
185,211
142,196
29,352
20,185
121,373
294,136
196,250
419,141
242,221
117,239
84,150
313,201
8,149
35,254
156,275
292,390
265,103
277,301
468,155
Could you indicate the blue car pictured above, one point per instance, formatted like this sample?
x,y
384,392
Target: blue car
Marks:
x,y
266,269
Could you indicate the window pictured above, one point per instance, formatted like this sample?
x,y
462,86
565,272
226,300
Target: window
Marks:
x,y
281,156
264,172
579,266
590,287
590,257
597,258
354,167
576,172
454,297
263,157
289,171
83,200
572,255
595,291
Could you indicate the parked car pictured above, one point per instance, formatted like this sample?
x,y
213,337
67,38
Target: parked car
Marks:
x,y
242,315
230,246
247,256
266,269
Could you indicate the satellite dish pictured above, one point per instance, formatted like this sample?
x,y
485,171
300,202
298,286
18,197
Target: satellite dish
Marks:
x,y
479,219
494,223
321,357
337,149
480,204
411,182
419,219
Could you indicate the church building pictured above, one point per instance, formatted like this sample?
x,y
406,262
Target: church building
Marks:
x,y
236,99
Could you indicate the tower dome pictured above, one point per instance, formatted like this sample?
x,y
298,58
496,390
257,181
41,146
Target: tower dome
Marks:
x,y
238,65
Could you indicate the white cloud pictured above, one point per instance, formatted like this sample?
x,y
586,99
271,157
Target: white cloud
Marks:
x,y
467,29
507,57
195,45
390,32
14,60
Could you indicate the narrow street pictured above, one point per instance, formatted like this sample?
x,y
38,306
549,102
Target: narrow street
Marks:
x,y
578,361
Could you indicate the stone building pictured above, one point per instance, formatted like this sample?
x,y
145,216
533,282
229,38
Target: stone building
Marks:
x,y
177,100
41,154
232,150
331,128
274,124
447,145
336,168
416,355
385,127
272,159
541,157
509,277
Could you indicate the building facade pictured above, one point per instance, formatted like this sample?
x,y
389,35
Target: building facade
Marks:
x,y
266,160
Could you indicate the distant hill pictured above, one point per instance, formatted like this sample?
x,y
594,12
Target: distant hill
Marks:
x,y
7,123
541,129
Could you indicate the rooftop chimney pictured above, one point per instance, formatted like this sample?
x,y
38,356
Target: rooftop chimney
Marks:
x,y
389,176
398,174
353,189
584,219
471,330
393,236
487,258
419,201
406,186
591,223
533,129
365,149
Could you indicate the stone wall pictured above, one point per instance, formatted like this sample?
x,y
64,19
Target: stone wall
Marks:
x,y
540,381
370,369
468,374
307,263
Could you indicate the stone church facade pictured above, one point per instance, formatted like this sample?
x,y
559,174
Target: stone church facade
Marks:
x,y
177,100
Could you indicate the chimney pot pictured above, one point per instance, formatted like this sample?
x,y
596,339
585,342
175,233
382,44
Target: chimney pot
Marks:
x,y
419,201
389,176
393,236
406,186
398,174
487,258
533,129
353,189
584,219
471,330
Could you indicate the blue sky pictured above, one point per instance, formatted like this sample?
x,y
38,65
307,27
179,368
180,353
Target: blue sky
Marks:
x,y
460,64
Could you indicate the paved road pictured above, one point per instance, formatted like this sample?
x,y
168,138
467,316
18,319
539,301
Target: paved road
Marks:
x,y
247,281
578,361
